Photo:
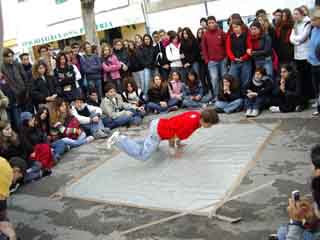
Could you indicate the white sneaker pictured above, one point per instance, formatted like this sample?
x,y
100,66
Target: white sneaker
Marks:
x,y
249,112
90,139
114,137
315,114
255,113
274,109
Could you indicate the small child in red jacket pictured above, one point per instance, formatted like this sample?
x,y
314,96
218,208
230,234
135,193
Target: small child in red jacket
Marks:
x,y
173,129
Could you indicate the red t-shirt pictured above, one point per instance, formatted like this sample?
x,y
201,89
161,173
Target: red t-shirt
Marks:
x,y
181,126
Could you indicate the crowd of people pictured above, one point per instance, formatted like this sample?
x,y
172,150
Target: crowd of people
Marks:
x,y
66,100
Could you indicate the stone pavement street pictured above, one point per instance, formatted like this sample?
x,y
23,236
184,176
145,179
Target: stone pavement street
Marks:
x,y
38,212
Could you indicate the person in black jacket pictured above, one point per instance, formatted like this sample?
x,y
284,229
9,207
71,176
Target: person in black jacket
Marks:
x,y
43,89
16,86
190,50
122,55
161,61
159,97
229,98
32,135
203,69
287,94
66,79
27,66
258,92
135,67
146,56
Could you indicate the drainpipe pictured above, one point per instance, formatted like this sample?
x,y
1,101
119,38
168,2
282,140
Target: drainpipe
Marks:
x,y
206,7
145,14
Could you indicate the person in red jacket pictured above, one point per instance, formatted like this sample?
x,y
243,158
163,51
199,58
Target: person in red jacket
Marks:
x,y
239,49
214,53
174,129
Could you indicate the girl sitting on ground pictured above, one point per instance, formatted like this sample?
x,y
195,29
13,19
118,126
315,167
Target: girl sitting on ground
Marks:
x,y
175,87
66,126
36,144
286,95
133,95
258,92
229,98
193,96
159,98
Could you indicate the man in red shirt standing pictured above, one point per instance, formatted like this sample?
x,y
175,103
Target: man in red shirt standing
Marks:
x,y
214,53
173,129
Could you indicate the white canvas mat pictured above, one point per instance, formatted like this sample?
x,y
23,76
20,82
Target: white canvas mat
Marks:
x,y
209,167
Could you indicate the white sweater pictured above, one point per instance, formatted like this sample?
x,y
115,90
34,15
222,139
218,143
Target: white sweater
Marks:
x,y
173,55
84,119
300,39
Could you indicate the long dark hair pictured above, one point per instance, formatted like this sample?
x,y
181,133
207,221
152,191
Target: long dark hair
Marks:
x,y
35,68
199,38
191,38
194,84
43,125
143,39
58,60
289,23
293,73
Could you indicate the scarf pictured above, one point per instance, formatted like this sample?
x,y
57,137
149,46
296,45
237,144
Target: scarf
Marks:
x,y
259,82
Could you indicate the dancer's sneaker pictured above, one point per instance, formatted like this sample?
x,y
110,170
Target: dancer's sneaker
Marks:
x,y
112,140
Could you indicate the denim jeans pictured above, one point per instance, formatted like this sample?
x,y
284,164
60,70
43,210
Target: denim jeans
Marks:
x,y
93,127
82,139
124,120
33,173
255,103
189,103
59,148
138,77
138,149
267,65
241,71
229,107
97,84
14,112
204,77
316,83
147,78
151,106
216,72
283,232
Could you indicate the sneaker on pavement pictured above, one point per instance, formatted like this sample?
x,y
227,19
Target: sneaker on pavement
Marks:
x,y
100,134
255,113
90,139
112,140
316,114
274,109
248,112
